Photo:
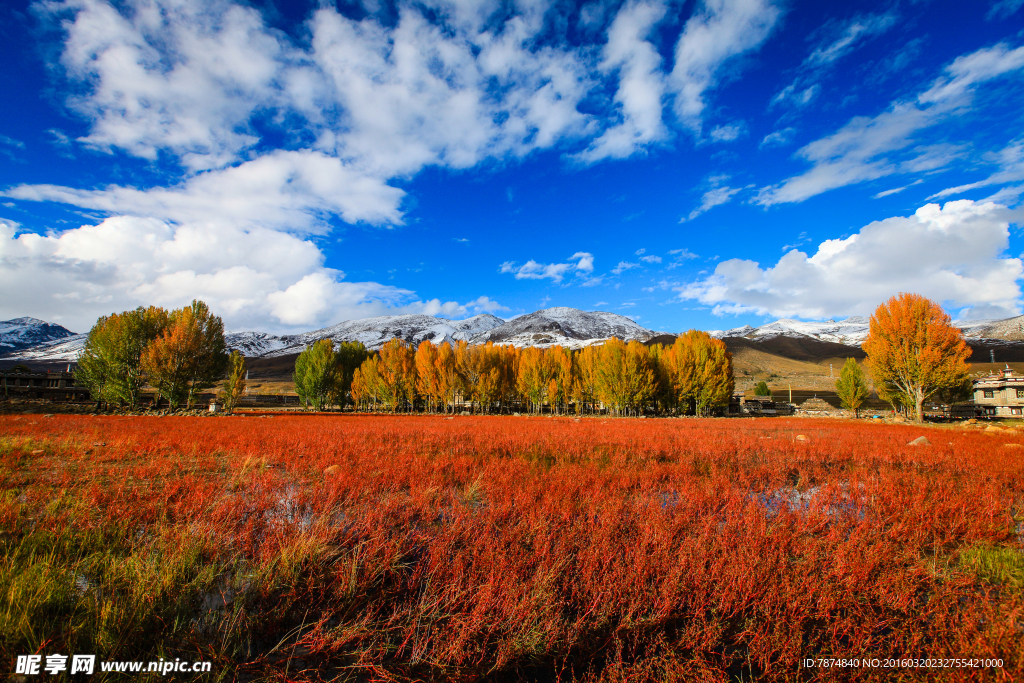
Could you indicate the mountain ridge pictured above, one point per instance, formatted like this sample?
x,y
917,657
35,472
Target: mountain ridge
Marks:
x,y
30,339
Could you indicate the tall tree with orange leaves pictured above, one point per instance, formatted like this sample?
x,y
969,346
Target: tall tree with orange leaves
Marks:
x,y
188,356
913,350
397,370
427,380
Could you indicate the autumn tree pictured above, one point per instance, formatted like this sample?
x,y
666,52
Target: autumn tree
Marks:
x,y
235,384
699,371
427,379
585,383
397,370
625,379
189,356
535,372
366,385
348,357
914,352
316,375
451,382
851,387
110,364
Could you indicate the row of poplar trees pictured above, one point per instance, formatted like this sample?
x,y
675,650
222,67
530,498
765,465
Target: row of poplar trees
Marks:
x,y
178,353
692,376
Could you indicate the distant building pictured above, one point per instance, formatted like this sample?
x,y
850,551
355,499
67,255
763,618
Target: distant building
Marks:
x,y
55,386
1000,394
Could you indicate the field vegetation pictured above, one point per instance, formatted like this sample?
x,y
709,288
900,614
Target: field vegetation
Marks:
x,y
414,548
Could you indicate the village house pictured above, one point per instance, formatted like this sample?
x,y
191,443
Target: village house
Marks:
x,y
1000,394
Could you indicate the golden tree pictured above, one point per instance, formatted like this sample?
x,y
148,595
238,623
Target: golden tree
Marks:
x,y
535,372
450,381
585,384
397,370
427,378
625,378
366,384
914,352
189,356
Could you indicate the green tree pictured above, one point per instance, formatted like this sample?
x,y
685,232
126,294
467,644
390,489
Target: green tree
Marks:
x,y
762,389
316,375
110,364
348,358
189,356
235,385
851,386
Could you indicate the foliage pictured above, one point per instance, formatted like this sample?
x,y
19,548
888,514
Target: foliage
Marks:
x,y
851,387
509,548
188,356
234,387
396,369
348,357
110,364
316,375
762,389
914,352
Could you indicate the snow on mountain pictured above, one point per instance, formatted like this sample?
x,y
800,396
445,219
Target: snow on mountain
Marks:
x,y
852,331
22,333
63,350
29,339
1008,328
372,332
567,327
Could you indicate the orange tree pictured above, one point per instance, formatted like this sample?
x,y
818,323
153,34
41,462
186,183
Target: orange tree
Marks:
x,y
188,356
913,350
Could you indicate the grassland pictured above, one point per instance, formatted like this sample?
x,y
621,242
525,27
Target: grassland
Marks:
x,y
424,548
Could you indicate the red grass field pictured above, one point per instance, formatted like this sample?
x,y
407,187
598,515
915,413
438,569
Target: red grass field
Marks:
x,y
508,548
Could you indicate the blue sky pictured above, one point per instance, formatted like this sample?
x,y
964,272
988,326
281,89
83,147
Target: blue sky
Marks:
x,y
689,164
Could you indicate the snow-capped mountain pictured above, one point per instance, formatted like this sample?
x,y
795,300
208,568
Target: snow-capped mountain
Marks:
x,y
567,327
28,339
852,331
23,333
1008,328
372,332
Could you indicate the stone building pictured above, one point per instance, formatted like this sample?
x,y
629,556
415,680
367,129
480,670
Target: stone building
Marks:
x,y
1000,394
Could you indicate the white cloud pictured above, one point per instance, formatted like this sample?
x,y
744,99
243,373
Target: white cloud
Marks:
x,y
778,138
840,40
556,272
856,31
651,259
1003,9
866,148
718,32
952,254
895,190
1011,169
641,83
623,267
253,278
283,190
727,133
683,254
712,198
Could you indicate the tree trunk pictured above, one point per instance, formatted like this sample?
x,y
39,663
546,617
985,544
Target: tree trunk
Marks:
x,y
919,416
